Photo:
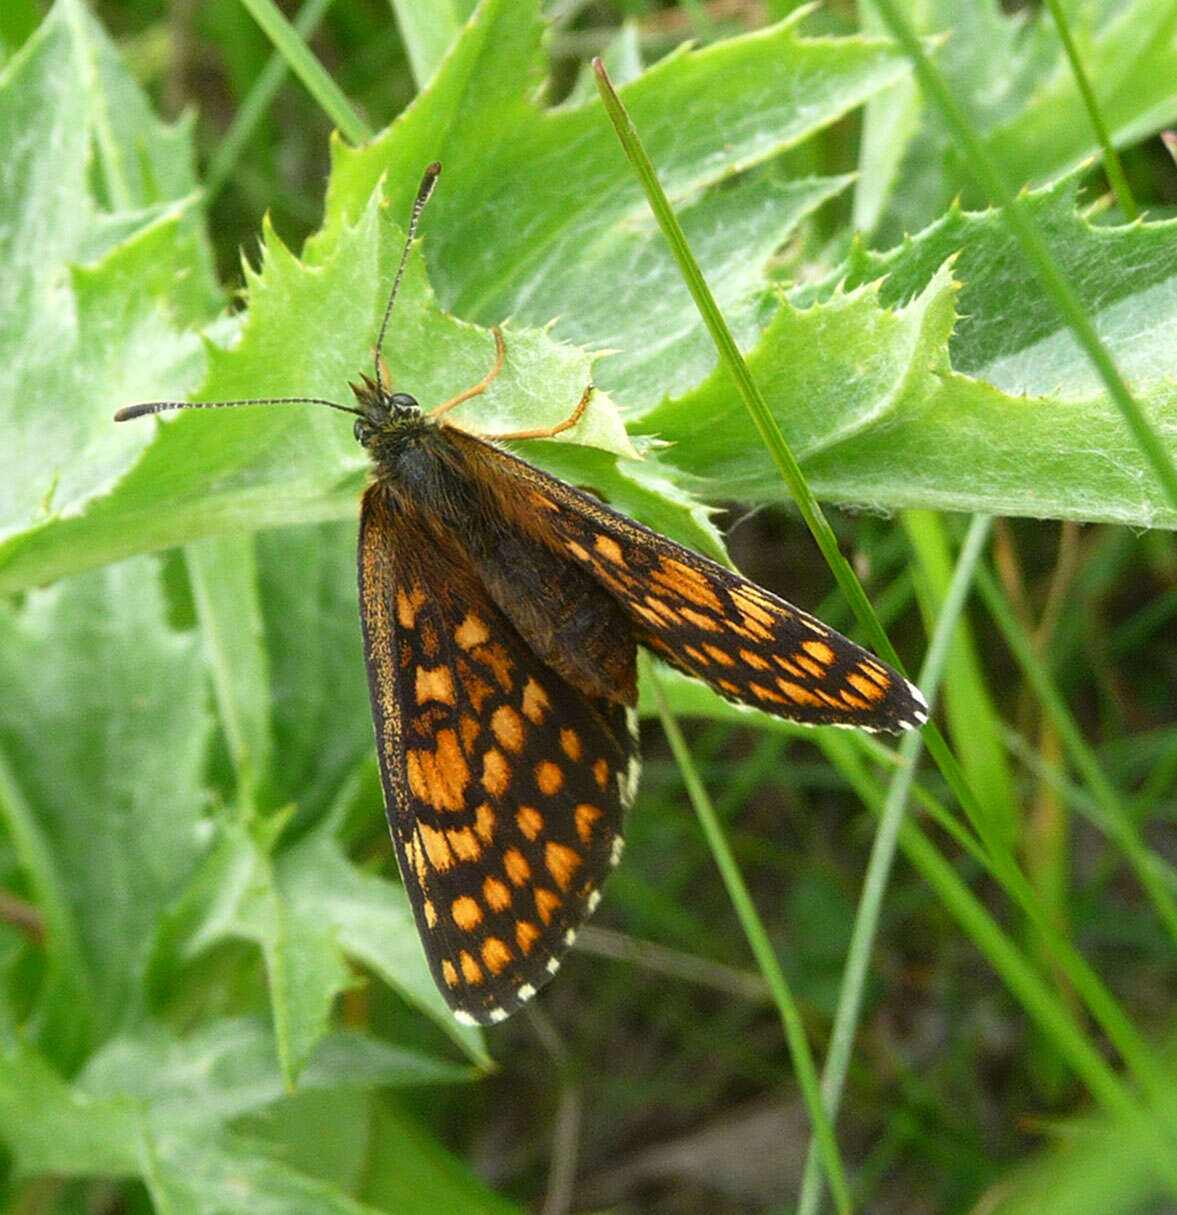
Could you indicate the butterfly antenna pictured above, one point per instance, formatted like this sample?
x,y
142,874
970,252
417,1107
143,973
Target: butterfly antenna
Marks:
x,y
139,411
423,192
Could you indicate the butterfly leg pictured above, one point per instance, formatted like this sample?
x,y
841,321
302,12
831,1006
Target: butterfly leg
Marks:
x,y
546,432
483,384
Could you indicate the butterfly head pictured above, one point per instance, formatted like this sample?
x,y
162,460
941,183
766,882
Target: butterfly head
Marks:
x,y
381,409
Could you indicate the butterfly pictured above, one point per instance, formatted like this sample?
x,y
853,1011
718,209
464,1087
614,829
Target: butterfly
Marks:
x,y
502,610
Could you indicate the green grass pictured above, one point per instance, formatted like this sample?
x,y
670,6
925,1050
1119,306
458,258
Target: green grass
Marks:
x,y
213,995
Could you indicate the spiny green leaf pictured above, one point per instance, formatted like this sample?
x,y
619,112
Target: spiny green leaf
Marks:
x,y
102,715
866,381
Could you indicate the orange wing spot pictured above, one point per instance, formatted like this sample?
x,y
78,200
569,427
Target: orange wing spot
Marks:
x,y
577,550
786,666
750,605
601,773
435,683
499,661
465,846
471,728
451,768
471,632
449,973
429,639
872,670
496,893
471,971
549,777
495,955
547,902
855,702
754,660
496,773
708,623
485,823
686,583
570,744
809,666
733,689
585,816
530,821
762,693
697,655
562,862
437,848
757,631
516,866
466,912
408,605
645,614
819,650
535,702
526,935
415,774
416,854
796,693
507,726
867,687
477,690
827,698
721,656
430,913
661,609
609,549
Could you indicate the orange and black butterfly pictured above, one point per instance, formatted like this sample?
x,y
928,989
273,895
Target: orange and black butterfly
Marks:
x,y
502,610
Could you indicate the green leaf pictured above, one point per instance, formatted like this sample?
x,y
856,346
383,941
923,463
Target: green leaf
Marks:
x,y
158,1108
1011,76
411,1174
307,909
866,380
103,725
49,1128
428,31
223,577
568,245
227,1068
90,177
319,688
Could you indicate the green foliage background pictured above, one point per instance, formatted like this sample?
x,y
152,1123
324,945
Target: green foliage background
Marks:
x,y
212,997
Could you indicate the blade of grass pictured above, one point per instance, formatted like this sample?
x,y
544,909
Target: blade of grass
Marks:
x,y
1117,822
1111,159
1034,247
878,870
761,947
765,423
257,102
966,705
1022,978
308,69
1105,1009
733,361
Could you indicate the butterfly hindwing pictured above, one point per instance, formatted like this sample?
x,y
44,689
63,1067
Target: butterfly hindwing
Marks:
x,y
505,786
711,623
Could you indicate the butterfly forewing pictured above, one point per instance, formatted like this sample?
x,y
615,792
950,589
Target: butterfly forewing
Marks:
x,y
505,786
747,644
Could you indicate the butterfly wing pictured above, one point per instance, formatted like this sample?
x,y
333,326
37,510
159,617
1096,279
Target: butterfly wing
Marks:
x,y
505,786
711,623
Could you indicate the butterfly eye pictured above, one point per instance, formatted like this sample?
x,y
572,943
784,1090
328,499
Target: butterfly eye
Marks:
x,y
403,403
362,431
